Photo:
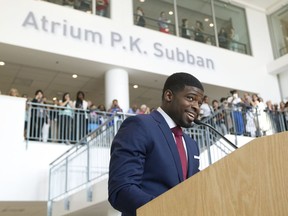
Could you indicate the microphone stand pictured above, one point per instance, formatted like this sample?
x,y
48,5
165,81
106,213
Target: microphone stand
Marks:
x,y
198,122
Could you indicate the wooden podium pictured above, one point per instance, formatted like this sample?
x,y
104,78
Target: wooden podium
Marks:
x,y
251,181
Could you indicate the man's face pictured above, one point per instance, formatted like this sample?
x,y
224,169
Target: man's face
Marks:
x,y
185,105
115,103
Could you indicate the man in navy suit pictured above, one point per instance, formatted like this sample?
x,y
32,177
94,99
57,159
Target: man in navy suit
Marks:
x,y
145,161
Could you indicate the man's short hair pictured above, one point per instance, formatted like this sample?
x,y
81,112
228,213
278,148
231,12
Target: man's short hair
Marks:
x,y
177,82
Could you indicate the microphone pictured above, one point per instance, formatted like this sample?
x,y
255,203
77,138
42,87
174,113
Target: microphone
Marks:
x,y
198,122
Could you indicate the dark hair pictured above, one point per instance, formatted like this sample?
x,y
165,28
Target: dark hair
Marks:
x,y
223,99
64,95
177,82
78,93
200,24
38,91
79,102
233,92
184,20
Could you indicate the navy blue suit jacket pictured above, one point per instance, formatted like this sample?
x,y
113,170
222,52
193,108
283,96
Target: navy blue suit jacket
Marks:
x,y
145,162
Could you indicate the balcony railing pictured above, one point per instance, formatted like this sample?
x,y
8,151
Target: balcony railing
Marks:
x,y
85,164
48,123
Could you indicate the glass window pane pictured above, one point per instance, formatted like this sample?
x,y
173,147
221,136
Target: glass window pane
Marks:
x,y
100,7
278,23
195,20
158,15
83,5
232,27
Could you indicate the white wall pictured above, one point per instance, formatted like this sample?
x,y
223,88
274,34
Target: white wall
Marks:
x,y
125,45
283,77
279,66
259,35
24,172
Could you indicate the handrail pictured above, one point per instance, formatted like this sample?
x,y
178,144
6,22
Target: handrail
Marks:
x,y
96,132
63,124
80,168
196,121
242,47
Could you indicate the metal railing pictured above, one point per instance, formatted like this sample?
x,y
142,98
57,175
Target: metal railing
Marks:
x,y
248,121
49,123
82,165
232,45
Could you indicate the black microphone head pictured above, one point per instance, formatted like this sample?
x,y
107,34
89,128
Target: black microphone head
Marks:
x,y
198,122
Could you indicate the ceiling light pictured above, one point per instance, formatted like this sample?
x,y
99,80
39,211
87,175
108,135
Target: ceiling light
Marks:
x,y
206,19
74,76
141,0
54,98
135,86
2,63
170,12
211,25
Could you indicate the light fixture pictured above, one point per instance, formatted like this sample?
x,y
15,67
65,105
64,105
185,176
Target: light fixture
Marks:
x,y
170,13
141,0
206,19
211,25
74,76
2,63
54,98
135,86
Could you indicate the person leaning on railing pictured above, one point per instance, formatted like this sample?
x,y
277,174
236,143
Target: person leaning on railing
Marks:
x,y
140,20
80,117
163,23
66,118
37,116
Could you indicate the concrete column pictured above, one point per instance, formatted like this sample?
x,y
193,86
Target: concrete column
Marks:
x,y
117,87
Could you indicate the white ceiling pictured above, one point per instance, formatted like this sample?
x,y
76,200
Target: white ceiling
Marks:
x,y
29,70
267,5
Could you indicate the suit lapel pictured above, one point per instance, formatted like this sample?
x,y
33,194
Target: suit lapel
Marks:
x,y
170,140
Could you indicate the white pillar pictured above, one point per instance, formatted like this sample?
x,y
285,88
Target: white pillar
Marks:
x,y
117,87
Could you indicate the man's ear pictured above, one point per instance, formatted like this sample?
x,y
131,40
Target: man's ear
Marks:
x,y
168,95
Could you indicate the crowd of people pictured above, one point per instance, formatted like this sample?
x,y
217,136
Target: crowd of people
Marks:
x,y
102,6
248,115
227,37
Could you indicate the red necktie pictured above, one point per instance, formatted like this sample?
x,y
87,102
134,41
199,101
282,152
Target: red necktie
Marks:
x,y
177,131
